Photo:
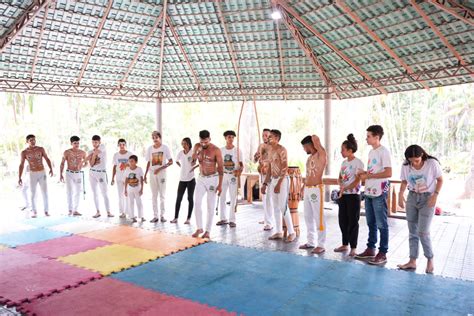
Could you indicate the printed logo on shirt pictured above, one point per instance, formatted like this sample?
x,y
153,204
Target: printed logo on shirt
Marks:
x,y
132,179
233,180
418,183
123,163
190,159
157,158
228,162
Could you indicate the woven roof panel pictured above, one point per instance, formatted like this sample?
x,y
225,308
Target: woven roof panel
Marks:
x,y
227,50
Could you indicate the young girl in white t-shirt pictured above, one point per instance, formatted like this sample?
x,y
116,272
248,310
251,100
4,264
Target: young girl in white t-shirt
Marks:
x,y
422,175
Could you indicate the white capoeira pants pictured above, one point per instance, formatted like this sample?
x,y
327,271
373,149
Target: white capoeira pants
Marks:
x,y
229,183
205,185
98,180
134,197
39,177
280,205
314,215
74,186
158,189
267,205
122,199
25,187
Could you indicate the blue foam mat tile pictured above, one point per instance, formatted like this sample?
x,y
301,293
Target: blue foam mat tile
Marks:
x,y
44,222
30,236
318,300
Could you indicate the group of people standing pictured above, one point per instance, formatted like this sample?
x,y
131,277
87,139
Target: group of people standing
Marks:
x,y
219,174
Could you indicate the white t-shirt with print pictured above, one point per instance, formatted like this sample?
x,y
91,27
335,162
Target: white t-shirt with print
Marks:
x,y
379,159
229,157
101,159
348,174
186,162
121,163
423,180
158,157
132,178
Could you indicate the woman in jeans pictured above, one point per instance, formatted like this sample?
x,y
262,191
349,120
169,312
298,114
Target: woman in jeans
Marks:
x,y
186,180
349,198
422,174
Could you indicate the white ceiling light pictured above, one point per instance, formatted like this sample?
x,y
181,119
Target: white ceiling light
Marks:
x,y
276,15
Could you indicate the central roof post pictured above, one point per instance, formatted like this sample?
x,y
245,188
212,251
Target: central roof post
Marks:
x,y
327,140
159,116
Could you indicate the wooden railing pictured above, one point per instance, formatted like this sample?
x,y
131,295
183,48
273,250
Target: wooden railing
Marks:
x,y
392,198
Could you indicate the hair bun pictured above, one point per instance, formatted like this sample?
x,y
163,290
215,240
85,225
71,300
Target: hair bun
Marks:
x,y
351,138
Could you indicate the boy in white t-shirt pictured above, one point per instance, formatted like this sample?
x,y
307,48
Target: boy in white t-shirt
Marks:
x,y
377,186
233,167
159,158
134,188
120,161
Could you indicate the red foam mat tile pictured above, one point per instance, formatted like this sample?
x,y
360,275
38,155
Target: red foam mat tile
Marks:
x,y
113,297
26,283
13,258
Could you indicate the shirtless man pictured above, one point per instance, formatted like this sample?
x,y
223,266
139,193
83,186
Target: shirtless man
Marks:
x,y
35,155
76,159
97,159
313,193
209,181
276,182
262,157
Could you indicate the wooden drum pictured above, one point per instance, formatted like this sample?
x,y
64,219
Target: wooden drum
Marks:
x,y
294,198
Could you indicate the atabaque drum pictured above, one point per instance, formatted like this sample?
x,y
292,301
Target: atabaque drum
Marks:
x,y
294,198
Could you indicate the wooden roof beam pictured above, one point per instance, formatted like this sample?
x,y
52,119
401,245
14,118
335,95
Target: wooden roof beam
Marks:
x,y
185,55
94,41
142,46
341,4
436,30
27,16
162,45
283,4
43,24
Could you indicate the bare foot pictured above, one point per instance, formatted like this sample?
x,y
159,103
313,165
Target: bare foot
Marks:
x,y
76,213
187,222
276,236
410,265
197,233
318,250
46,214
342,248
261,222
429,267
205,235
110,214
96,215
306,246
353,252
174,221
291,237
267,227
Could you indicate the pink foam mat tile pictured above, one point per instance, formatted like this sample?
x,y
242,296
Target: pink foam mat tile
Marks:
x,y
29,282
113,297
13,258
63,246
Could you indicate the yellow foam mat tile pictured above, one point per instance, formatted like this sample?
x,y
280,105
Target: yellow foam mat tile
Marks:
x,y
110,259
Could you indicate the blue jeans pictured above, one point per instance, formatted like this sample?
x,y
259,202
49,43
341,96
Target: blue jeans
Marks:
x,y
376,215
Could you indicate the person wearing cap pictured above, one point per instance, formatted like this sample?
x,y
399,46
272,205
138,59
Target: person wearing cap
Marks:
x,y
233,166
159,158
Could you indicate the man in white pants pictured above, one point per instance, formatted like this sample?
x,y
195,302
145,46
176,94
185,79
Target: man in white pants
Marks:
x,y
159,158
277,183
233,166
262,157
209,181
313,194
120,161
97,159
35,155
76,160
25,188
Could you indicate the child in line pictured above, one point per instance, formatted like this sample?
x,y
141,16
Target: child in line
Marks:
x,y
134,188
